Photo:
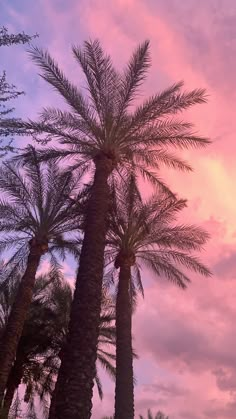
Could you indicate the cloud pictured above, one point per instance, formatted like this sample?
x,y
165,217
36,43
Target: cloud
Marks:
x,y
226,380
169,390
227,264
185,341
216,412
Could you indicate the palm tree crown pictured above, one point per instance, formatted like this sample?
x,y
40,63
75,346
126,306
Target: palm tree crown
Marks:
x,y
103,124
159,415
36,208
146,233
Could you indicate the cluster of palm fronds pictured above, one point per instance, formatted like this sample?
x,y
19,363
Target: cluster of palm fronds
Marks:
x,y
159,415
43,338
80,197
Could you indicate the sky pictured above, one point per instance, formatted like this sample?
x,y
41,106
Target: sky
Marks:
x,y
185,340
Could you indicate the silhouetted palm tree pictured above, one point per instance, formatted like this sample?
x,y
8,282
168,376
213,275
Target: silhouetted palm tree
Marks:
x,y
36,212
159,415
43,337
106,344
35,352
143,234
102,133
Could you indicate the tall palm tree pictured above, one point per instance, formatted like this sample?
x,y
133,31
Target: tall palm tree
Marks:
x,y
39,351
143,234
36,213
159,415
103,134
106,344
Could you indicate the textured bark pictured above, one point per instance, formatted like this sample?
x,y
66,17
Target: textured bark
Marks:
x,y
17,318
77,372
124,388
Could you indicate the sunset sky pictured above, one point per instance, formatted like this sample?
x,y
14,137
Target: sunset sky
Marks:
x,y
185,340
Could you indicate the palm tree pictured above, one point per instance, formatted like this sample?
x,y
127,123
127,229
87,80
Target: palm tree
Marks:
x,y
159,415
143,234
35,345
104,135
106,341
43,337
36,212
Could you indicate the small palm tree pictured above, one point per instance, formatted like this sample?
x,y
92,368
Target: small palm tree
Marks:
x,y
35,214
43,337
34,351
159,415
143,234
102,134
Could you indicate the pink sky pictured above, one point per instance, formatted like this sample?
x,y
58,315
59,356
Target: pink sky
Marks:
x,y
185,340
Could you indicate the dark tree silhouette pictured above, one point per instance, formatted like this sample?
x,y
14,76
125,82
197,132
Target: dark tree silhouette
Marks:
x,y
8,91
101,133
106,342
43,337
7,38
159,415
144,234
36,212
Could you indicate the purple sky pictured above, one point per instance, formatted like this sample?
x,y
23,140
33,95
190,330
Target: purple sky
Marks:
x,y
185,340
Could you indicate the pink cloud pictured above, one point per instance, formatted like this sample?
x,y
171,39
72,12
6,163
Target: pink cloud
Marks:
x,y
187,363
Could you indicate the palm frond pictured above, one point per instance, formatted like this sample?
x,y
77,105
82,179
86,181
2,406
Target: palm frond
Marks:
x,y
54,76
134,74
137,279
101,77
152,108
153,178
168,102
99,385
106,364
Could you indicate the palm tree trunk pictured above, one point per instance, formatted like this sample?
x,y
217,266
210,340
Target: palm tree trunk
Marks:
x,y
78,368
17,318
124,389
13,383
